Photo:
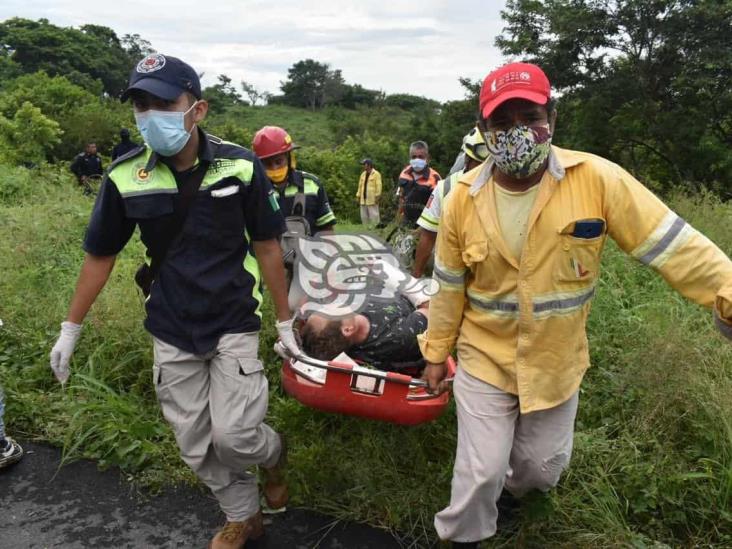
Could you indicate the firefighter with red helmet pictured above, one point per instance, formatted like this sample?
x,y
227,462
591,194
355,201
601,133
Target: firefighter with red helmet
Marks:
x,y
301,195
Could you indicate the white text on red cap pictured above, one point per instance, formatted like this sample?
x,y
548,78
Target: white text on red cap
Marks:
x,y
513,77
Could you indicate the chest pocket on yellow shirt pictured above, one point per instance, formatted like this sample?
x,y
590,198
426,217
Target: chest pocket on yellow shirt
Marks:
x,y
475,252
580,246
479,260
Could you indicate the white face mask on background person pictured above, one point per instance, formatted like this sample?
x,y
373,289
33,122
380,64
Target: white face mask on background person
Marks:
x,y
164,131
418,164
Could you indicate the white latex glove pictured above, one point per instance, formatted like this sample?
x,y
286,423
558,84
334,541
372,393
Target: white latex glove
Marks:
x,y
64,348
281,351
287,336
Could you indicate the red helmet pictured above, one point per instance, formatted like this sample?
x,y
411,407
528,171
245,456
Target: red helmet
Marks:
x,y
271,141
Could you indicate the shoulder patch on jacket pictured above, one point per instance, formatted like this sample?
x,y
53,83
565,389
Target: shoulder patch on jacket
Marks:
x,y
232,150
315,179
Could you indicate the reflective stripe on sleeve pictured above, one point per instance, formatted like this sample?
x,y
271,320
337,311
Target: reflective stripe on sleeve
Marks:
x,y
449,278
664,241
325,219
428,223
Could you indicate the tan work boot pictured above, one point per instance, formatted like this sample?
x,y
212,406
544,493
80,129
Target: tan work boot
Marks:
x,y
275,486
235,534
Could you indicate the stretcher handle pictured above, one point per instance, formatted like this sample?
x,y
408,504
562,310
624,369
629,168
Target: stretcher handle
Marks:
x,y
333,366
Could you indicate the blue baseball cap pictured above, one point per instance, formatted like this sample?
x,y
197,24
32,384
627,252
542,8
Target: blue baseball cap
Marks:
x,y
164,77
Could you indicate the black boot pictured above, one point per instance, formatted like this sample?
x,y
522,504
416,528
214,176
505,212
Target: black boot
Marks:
x,y
509,508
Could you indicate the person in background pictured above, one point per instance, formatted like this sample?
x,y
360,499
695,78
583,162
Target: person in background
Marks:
x,y
299,193
301,197
475,153
124,146
87,163
416,183
369,193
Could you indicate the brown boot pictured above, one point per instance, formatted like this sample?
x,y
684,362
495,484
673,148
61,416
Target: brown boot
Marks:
x,y
275,486
235,534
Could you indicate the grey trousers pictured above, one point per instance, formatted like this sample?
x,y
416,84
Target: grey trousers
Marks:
x,y
216,405
497,446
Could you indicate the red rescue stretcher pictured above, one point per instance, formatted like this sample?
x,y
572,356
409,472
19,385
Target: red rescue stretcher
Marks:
x,y
343,388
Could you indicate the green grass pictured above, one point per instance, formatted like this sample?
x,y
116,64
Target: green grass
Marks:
x,y
322,129
308,128
653,449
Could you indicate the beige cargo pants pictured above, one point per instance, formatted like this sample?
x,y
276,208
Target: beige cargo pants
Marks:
x,y
216,405
497,446
370,214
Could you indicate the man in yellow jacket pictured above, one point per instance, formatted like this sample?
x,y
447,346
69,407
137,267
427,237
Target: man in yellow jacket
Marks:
x,y
369,192
518,255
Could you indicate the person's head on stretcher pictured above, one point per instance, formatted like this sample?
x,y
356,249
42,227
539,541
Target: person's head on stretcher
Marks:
x,y
382,334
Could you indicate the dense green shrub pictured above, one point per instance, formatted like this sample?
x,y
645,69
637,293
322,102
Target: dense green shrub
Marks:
x,y
80,115
340,169
28,137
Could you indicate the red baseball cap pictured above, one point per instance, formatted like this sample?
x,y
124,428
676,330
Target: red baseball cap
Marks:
x,y
514,81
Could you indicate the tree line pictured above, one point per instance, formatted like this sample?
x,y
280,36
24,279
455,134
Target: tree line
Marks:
x,y
645,83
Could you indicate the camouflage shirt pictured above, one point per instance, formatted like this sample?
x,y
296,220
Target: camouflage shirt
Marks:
x,y
392,340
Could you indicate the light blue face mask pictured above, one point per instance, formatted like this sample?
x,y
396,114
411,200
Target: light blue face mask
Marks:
x,y
418,164
164,132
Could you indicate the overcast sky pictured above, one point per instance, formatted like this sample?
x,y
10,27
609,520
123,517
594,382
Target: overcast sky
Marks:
x,y
398,46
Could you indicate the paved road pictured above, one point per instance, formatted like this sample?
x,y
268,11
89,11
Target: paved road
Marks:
x,y
79,506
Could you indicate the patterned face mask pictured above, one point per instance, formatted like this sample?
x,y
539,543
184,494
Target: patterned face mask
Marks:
x,y
520,151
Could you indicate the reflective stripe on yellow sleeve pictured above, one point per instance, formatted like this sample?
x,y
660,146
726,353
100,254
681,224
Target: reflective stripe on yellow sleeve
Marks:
x,y
450,279
663,242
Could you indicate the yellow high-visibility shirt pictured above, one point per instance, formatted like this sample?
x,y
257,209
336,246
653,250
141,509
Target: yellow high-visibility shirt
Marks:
x,y
519,324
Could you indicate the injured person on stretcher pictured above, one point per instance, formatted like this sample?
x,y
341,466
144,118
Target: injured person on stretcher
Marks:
x,y
355,302
382,334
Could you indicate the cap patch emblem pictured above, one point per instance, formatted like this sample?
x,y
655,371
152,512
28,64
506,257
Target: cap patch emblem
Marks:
x,y
151,63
